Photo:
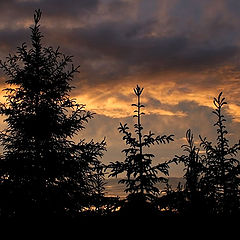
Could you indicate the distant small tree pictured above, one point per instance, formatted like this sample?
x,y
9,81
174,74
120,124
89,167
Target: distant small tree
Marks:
x,y
173,201
42,170
221,180
141,176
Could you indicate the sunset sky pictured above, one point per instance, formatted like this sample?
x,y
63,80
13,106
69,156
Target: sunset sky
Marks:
x,y
183,52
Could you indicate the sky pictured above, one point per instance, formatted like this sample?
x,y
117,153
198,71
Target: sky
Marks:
x,y
183,52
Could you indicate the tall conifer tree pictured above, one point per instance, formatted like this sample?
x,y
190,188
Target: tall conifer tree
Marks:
x,y
42,170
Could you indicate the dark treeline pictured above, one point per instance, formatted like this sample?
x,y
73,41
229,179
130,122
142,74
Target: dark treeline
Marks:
x,y
44,173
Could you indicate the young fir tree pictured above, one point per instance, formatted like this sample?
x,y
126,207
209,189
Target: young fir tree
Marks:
x,y
193,171
221,180
141,176
42,170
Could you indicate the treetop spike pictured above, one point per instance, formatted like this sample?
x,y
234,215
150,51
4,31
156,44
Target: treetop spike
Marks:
x,y
138,90
37,16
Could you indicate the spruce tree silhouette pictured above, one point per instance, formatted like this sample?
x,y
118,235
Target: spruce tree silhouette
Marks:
x,y
43,171
141,176
221,182
193,200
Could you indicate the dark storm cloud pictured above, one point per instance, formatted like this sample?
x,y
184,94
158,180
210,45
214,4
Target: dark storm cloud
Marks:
x,y
118,42
10,39
128,46
15,9
121,52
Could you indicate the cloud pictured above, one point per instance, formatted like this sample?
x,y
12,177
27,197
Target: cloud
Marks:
x,y
106,126
118,47
54,9
182,52
113,43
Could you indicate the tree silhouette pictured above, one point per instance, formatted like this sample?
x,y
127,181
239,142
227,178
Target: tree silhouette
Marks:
x,y
43,171
221,174
141,176
193,171
173,201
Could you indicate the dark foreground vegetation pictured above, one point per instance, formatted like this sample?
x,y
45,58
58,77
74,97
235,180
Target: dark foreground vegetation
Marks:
x,y
44,173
